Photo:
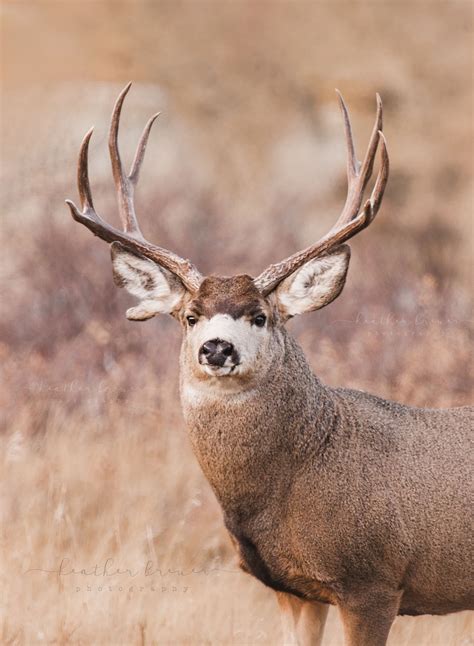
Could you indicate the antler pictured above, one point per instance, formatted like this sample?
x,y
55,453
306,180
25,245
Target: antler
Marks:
x,y
350,222
131,237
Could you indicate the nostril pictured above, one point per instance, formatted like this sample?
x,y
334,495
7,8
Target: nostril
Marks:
x,y
216,352
208,348
227,349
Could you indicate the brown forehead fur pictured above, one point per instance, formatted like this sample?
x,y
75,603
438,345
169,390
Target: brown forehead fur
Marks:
x,y
236,296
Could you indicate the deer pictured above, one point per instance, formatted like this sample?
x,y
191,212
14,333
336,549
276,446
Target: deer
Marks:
x,y
331,496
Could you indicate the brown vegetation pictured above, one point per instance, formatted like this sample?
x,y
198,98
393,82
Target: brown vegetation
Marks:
x,y
245,166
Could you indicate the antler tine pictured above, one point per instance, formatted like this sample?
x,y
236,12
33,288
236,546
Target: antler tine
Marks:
x,y
88,213
368,165
351,221
125,184
83,184
131,238
140,152
382,178
357,174
352,163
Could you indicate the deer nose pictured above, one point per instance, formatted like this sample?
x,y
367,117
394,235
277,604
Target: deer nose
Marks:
x,y
216,351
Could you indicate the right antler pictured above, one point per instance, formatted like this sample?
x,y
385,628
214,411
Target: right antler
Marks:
x,y
131,237
351,220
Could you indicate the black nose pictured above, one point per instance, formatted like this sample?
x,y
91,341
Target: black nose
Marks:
x,y
216,351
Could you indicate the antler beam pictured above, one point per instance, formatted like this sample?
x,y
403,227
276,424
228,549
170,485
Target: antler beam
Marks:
x,y
131,237
351,221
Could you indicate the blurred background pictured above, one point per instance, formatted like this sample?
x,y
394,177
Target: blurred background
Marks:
x,y
245,165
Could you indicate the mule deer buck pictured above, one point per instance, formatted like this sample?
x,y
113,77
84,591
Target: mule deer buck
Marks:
x,y
331,496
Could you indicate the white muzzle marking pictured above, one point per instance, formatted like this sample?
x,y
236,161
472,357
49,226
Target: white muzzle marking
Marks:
x,y
245,338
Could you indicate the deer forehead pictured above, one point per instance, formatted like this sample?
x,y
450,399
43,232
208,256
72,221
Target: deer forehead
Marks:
x,y
226,307
236,297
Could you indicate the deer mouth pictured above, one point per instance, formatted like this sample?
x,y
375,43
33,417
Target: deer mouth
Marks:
x,y
219,371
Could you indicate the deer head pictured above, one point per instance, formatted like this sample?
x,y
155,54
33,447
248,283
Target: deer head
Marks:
x,y
232,327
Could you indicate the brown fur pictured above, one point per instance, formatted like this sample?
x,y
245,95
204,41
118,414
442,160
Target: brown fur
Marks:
x,y
331,496
236,296
339,496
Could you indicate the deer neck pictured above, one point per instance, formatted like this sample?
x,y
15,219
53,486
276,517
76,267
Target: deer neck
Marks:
x,y
248,441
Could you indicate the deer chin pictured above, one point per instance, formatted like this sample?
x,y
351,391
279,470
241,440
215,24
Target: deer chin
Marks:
x,y
219,371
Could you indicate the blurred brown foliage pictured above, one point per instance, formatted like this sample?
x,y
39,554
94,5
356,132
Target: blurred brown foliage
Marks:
x,y
246,164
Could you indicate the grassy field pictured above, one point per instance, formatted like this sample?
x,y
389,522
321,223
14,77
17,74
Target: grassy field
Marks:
x,y
110,533
119,500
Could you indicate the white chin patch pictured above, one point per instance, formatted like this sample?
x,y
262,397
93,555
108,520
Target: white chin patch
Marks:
x,y
216,371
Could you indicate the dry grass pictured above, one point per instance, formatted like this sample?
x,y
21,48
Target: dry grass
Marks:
x,y
96,463
118,492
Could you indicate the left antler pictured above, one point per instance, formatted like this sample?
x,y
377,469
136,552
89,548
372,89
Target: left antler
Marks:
x,y
351,221
131,237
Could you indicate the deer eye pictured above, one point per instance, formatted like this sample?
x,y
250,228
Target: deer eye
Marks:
x,y
192,320
260,320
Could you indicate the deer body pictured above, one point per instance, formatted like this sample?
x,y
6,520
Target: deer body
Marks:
x,y
350,475
331,496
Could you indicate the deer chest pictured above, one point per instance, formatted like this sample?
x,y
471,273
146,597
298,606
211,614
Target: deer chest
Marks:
x,y
279,570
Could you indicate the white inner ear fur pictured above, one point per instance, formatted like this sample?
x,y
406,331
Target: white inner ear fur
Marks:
x,y
315,285
158,289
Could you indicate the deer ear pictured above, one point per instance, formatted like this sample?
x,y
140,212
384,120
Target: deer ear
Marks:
x,y
159,291
315,284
